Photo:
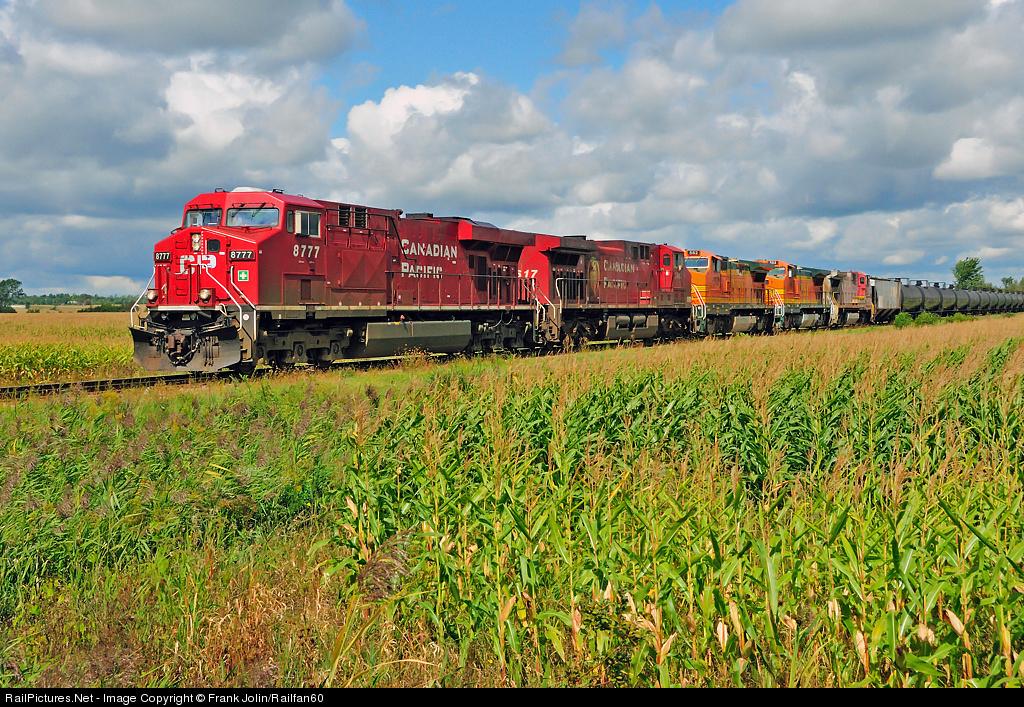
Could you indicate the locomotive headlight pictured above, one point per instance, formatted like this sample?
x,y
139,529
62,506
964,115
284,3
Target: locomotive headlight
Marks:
x,y
196,241
205,294
152,296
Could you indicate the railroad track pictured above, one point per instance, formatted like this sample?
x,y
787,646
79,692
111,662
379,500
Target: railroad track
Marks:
x,y
15,392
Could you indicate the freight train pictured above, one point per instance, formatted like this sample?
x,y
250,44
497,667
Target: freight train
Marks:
x,y
266,277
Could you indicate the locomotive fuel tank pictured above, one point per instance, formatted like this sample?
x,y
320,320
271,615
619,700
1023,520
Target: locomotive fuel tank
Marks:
x,y
637,326
392,338
810,321
744,324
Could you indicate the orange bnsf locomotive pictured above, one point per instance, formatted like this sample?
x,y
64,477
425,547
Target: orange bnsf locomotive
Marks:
x,y
265,277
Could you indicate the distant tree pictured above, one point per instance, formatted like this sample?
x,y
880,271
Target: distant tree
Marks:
x,y
968,274
1009,283
10,290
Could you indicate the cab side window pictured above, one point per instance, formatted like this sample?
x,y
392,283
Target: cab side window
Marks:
x,y
303,223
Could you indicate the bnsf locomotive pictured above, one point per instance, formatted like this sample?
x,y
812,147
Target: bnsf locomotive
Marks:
x,y
254,276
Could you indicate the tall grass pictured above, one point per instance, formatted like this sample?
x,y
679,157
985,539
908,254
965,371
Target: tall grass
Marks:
x,y
750,512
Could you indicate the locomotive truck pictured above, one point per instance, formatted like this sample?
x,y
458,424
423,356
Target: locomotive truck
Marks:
x,y
266,277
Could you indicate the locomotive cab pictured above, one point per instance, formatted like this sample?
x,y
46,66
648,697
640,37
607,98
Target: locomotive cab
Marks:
x,y
199,312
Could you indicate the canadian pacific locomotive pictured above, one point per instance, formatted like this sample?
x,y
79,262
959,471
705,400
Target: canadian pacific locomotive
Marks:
x,y
255,276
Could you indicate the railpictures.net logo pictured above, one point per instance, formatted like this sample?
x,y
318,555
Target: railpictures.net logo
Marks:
x,y
162,699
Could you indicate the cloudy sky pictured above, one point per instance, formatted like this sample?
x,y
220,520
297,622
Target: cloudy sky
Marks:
x,y
871,134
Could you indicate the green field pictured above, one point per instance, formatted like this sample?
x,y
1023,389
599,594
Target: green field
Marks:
x,y
836,508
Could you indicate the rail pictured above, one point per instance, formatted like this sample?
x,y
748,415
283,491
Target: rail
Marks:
x,y
95,386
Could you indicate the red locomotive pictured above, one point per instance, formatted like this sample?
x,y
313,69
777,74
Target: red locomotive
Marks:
x,y
266,276
255,276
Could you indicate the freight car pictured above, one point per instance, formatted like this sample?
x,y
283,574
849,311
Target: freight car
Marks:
x,y
264,276
920,296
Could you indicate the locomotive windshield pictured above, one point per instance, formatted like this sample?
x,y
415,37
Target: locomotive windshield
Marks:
x,y
202,217
257,217
697,263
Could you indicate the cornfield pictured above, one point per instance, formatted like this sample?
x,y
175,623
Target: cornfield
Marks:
x,y
841,508
64,346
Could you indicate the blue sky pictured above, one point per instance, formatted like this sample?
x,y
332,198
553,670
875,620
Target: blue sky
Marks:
x,y
513,42
880,136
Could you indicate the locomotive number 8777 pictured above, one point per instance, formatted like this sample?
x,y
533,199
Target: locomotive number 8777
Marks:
x,y
263,276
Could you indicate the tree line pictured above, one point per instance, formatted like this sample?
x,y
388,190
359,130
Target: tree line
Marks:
x,y
12,293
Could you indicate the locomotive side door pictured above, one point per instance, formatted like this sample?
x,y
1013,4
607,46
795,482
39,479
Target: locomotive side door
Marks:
x,y
665,272
304,281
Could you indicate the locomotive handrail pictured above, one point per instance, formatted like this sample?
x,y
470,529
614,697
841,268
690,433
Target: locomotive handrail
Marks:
x,y
131,312
520,289
241,324
702,308
231,274
780,303
630,287
238,289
